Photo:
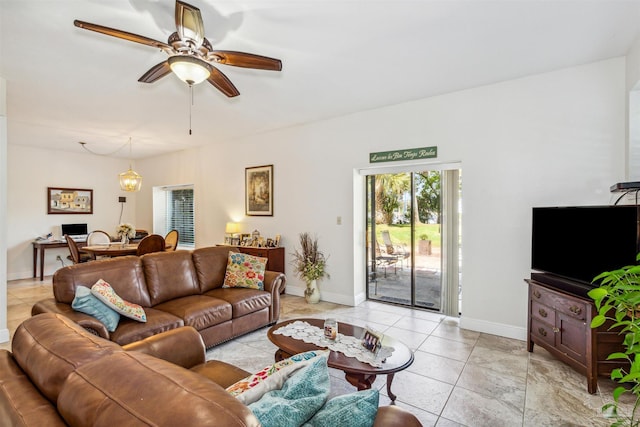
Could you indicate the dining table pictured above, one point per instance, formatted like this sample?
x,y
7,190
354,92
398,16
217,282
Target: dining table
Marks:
x,y
111,250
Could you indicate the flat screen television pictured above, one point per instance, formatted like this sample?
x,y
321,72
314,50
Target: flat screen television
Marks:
x,y
577,243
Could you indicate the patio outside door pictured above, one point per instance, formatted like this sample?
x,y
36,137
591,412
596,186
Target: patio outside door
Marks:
x,y
413,239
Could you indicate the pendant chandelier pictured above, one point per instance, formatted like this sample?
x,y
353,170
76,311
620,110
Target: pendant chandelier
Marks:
x,y
130,180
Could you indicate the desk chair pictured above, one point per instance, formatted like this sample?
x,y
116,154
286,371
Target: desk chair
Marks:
x,y
171,239
75,254
98,237
151,243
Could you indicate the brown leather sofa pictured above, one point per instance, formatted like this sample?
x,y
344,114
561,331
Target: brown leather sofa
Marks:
x,y
60,374
181,288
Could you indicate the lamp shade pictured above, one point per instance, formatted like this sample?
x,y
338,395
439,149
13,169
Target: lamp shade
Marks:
x,y
189,69
130,180
232,228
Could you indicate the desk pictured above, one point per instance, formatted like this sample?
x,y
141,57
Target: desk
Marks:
x,y
114,249
42,246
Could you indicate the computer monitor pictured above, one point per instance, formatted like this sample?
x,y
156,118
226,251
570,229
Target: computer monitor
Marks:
x,y
74,229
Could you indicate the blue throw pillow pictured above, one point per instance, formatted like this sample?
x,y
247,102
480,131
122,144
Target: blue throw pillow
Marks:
x,y
357,409
301,396
85,302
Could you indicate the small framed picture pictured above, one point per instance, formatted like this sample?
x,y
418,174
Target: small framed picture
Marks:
x,y
372,340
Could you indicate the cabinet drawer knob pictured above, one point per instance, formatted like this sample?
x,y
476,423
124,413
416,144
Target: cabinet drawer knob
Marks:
x,y
556,330
575,309
536,293
543,312
542,332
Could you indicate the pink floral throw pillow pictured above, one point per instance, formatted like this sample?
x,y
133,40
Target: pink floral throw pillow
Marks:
x,y
244,271
105,293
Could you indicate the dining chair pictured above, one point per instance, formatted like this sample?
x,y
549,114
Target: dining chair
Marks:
x,y
98,237
75,256
171,239
151,243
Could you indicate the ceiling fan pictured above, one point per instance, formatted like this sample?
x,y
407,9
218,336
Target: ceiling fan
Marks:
x,y
191,55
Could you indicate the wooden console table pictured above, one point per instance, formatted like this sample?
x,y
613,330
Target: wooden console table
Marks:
x,y
41,246
274,256
560,322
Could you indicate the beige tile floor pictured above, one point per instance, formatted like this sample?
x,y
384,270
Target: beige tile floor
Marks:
x,y
458,378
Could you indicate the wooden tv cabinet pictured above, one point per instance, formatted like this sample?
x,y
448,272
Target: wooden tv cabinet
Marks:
x,y
559,321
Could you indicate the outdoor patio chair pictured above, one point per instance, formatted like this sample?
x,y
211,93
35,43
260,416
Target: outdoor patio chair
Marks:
x,y
399,251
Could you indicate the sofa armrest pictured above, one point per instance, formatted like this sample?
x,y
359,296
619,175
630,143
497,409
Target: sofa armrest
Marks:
x,y
181,346
394,416
273,283
221,373
89,323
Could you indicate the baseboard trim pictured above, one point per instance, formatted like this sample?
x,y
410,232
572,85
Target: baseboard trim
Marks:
x,y
324,296
500,329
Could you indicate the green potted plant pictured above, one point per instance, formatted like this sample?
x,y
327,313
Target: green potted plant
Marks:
x,y
310,265
617,299
424,245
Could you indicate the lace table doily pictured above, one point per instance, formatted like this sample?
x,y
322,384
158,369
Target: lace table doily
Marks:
x,y
346,344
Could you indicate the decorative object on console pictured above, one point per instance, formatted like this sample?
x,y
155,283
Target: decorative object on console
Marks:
x,y
69,201
130,180
617,301
191,55
310,265
125,232
259,191
232,229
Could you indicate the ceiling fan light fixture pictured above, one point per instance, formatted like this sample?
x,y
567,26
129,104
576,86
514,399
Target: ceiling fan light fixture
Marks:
x,y
189,69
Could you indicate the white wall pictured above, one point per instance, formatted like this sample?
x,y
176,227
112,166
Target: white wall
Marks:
x,y
30,172
4,331
551,139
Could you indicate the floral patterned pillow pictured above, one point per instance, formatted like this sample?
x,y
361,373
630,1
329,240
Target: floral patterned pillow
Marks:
x,y
244,271
272,377
105,293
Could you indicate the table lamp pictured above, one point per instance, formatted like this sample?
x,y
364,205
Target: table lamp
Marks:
x,y
231,229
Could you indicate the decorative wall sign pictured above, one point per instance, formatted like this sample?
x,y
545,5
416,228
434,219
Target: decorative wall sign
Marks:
x,y
259,191
69,201
406,154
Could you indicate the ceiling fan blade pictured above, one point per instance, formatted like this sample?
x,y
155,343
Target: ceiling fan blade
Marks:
x,y
189,23
246,60
222,82
156,72
122,35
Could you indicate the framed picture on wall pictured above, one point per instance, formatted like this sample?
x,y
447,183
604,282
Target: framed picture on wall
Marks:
x,y
69,201
259,190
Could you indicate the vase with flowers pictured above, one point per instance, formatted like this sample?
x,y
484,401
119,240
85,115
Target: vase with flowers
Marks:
x,y
125,232
310,265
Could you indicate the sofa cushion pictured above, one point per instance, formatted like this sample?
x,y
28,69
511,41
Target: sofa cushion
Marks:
x,y
108,392
124,273
87,303
48,357
298,400
211,265
158,321
105,293
244,271
198,311
170,275
20,402
243,301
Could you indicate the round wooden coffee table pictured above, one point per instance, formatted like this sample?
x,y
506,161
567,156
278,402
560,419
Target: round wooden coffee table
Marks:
x,y
359,374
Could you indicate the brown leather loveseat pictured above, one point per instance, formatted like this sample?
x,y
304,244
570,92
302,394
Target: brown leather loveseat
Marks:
x,y
60,374
181,288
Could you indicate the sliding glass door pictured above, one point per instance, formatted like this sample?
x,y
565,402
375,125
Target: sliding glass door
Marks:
x,y
412,218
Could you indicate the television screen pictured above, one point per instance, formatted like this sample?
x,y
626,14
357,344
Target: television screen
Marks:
x,y
578,243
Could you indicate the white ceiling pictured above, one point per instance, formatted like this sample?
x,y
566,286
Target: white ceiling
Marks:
x,y
65,84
